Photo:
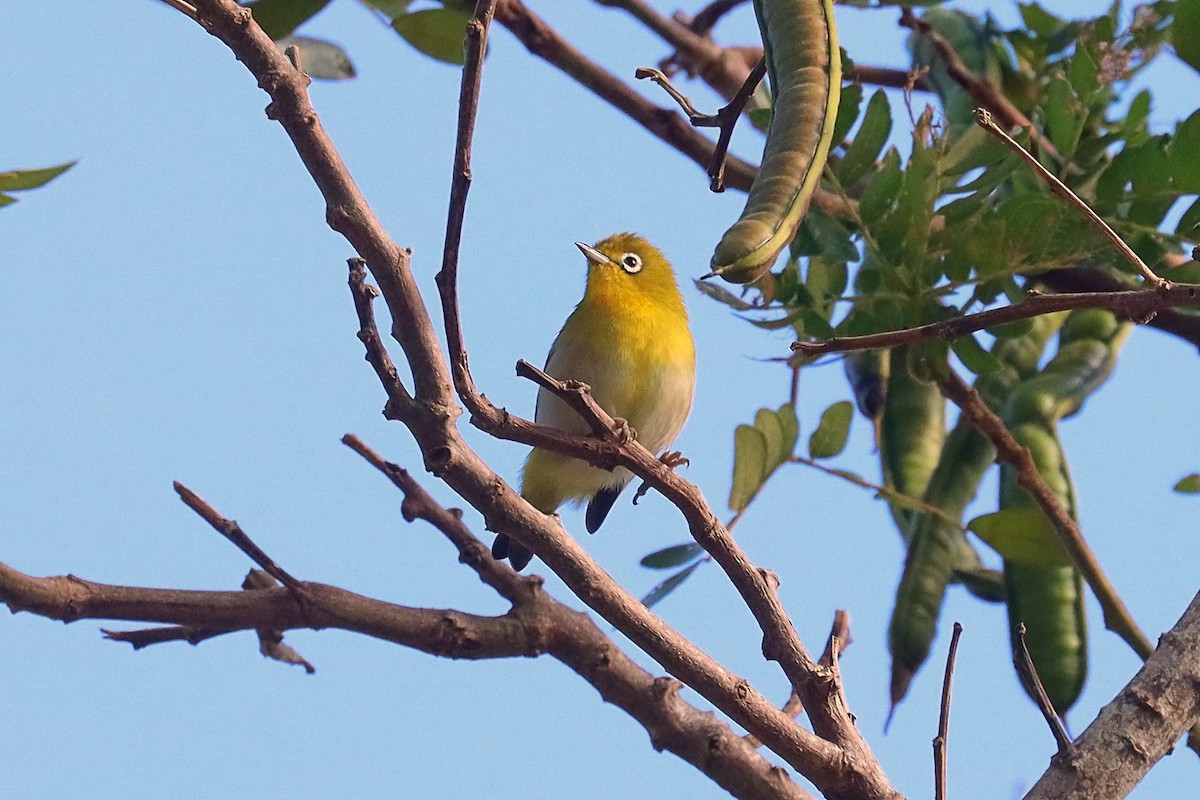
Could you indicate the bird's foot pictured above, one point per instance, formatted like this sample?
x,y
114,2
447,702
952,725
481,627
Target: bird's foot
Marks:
x,y
672,459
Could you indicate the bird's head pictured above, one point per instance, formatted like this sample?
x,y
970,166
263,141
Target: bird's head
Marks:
x,y
625,269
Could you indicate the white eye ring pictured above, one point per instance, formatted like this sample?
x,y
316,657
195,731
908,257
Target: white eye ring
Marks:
x,y
631,263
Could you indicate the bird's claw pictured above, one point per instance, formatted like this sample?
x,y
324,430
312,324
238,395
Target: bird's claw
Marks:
x,y
671,459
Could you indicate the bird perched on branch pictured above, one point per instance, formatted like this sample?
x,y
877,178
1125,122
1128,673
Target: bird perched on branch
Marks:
x,y
628,339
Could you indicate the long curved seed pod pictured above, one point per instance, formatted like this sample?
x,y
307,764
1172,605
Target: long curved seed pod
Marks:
x,y
938,550
1048,597
805,69
910,435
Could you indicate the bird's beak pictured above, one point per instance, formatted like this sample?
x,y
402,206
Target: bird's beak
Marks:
x,y
594,256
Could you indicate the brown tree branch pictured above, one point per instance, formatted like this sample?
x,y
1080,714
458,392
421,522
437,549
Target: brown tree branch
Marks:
x,y
574,639
1183,325
982,91
1138,727
839,771
1138,305
1116,615
943,735
546,43
443,632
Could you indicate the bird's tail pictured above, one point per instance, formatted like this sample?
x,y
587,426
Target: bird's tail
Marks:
x,y
518,555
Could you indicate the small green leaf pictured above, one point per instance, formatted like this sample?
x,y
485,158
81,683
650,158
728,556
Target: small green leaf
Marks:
x,y
319,58
23,179
280,18
1023,536
672,556
436,32
832,431
791,427
749,466
872,135
973,356
722,295
655,595
768,424
1185,32
390,8
1189,484
847,111
760,118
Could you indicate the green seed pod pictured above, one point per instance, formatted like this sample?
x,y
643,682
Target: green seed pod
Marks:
x,y
938,550
911,434
805,69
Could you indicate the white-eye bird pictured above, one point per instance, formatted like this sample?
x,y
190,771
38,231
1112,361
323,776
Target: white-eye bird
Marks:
x,y
628,339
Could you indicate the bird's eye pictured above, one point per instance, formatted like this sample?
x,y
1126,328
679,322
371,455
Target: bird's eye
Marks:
x,y
631,263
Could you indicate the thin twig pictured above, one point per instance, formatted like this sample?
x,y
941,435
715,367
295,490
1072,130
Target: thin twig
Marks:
x,y
984,119
1032,682
1138,305
882,491
182,7
981,90
192,634
939,742
836,642
234,533
725,119
460,185
655,702
707,18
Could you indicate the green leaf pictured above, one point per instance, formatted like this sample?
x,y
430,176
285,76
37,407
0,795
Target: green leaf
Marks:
x,y
791,427
319,58
24,179
749,466
436,32
879,195
847,111
872,135
280,18
832,431
655,595
1184,146
5,200
1064,120
672,556
973,356
722,295
390,8
1189,484
1022,536
1185,33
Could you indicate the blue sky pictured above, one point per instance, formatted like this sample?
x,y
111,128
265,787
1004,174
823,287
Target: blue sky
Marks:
x,y
174,308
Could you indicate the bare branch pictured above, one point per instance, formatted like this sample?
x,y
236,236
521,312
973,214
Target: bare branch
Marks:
x,y
1027,672
984,118
234,533
1138,305
1116,616
1138,727
672,723
943,734
840,764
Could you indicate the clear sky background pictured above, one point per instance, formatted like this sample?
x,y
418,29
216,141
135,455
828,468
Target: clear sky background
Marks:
x,y
174,308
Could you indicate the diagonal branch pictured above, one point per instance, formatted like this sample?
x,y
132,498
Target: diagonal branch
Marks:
x,y
1116,616
574,639
841,766
1138,727
1139,305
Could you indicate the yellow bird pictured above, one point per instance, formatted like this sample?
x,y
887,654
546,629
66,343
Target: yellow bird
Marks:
x,y
628,339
